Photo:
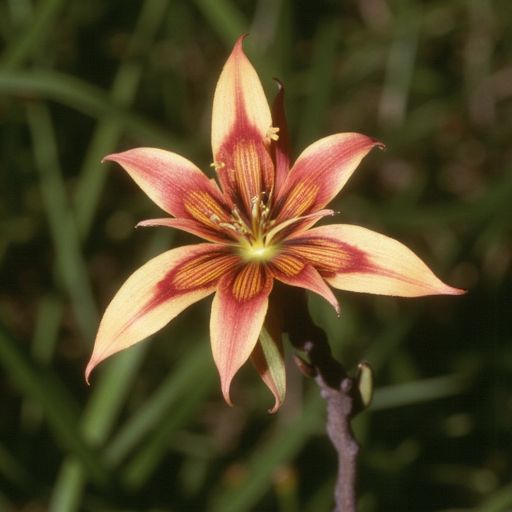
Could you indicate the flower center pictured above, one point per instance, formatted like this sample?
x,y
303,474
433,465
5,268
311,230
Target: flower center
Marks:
x,y
251,233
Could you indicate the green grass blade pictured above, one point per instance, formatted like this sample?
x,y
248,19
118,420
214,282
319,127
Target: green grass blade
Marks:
x,y
60,409
108,132
225,19
62,225
280,449
86,98
419,391
177,386
319,84
31,38
147,459
500,501
101,412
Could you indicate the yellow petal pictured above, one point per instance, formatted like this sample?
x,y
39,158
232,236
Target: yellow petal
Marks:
x,y
171,181
320,172
155,294
238,311
296,271
239,102
360,260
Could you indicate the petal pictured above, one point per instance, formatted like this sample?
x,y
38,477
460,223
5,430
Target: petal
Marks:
x,y
241,124
268,356
320,172
188,225
360,260
238,311
296,271
174,183
295,225
239,104
246,174
156,293
282,147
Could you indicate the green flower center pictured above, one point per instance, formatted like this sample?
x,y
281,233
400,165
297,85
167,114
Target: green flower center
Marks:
x,y
251,234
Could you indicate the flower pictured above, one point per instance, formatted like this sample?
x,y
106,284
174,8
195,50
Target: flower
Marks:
x,y
257,224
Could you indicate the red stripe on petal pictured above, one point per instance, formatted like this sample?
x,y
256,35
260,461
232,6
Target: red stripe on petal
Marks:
x,y
327,255
206,209
300,199
239,104
358,259
241,130
296,270
190,226
201,270
238,311
245,169
249,281
287,264
154,295
167,178
324,167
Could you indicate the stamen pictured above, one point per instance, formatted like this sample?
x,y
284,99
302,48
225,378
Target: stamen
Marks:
x,y
218,165
250,230
272,134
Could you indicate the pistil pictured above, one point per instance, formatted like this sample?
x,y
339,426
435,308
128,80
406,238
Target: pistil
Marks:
x,y
251,234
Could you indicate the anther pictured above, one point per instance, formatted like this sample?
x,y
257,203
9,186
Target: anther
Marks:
x,y
272,134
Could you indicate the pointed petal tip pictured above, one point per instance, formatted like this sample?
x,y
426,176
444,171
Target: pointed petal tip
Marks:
x,y
378,144
276,407
238,46
279,83
240,40
440,288
88,370
225,393
378,264
239,103
109,158
455,291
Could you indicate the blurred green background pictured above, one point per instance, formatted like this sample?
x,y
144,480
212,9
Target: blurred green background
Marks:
x,y
80,79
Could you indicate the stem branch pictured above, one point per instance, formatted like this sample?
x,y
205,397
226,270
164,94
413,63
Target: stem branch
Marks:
x,y
337,388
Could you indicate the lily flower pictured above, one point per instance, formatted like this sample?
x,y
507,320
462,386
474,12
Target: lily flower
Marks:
x,y
258,223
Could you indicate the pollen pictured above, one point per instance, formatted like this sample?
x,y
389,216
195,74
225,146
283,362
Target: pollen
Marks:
x,y
217,165
272,134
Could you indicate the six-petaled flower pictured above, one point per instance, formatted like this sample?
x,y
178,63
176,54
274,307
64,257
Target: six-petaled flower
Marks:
x,y
258,222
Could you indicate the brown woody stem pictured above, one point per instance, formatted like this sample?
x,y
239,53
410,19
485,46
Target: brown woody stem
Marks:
x,y
340,391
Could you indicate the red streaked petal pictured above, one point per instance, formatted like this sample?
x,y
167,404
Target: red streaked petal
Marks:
x,y
169,179
238,311
296,271
360,260
295,225
320,172
156,293
268,357
241,124
239,104
206,208
188,225
247,172
282,147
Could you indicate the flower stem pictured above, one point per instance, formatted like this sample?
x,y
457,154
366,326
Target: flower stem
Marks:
x,y
337,388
